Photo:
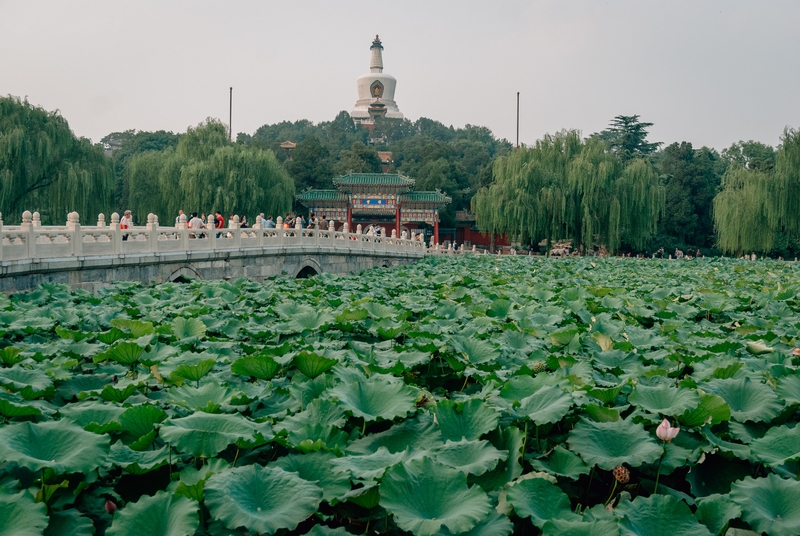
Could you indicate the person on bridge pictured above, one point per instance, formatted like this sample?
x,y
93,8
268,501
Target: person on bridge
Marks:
x,y
178,219
269,223
126,223
219,221
195,223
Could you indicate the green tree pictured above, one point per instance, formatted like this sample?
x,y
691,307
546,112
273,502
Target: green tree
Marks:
x,y
45,168
204,173
563,187
310,166
627,137
358,159
751,155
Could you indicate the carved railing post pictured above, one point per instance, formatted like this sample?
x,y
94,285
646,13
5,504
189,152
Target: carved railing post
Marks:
x,y
101,221
152,236
237,234
37,220
74,225
116,234
279,230
211,232
183,234
30,238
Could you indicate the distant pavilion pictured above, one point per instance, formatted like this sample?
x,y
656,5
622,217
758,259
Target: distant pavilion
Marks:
x,y
378,199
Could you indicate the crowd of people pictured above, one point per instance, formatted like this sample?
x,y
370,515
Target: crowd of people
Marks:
x,y
217,221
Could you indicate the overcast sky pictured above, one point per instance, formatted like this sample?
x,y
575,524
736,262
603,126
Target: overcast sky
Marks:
x,y
710,72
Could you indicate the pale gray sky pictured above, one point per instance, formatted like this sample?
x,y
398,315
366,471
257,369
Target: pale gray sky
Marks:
x,y
710,72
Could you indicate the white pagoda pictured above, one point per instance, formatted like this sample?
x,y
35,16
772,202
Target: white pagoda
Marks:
x,y
375,91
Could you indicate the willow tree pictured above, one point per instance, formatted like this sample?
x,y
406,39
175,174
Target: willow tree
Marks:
x,y
754,206
205,173
566,188
45,168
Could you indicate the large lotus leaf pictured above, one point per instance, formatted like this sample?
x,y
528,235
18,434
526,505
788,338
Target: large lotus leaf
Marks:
x,y
595,527
61,446
194,372
21,516
163,514
316,467
314,437
136,327
94,416
789,389
468,420
715,511
658,514
494,525
322,530
69,523
770,504
141,420
312,364
11,356
18,378
470,457
423,496
779,445
370,466
562,462
477,352
308,320
547,405
322,412
749,400
206,435
261,499
712,409
209,395
563,336
376,398
261,367
10,410
185,328
609,444
664,400
125,353
137,462
509,439
539,499
418,433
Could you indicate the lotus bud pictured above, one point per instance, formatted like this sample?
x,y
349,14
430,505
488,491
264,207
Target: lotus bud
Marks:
x,y
666,432
796,351
111,507
622,474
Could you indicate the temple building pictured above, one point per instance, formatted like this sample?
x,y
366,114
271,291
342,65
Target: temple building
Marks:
x,y
379,199
375,91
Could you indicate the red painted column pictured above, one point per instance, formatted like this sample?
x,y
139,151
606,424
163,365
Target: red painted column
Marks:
x,y
350,218
397,220
436,228
467,234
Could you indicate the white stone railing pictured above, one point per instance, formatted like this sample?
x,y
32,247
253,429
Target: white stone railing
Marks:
x,y
31,240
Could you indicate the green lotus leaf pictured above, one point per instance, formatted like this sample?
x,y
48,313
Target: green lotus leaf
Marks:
x,y
476,351
562,462
664,400
712,410
547,405
749,400
205,434
758,348
770,504
163,514
540,500
601,413
609,444
263,500
316,467
779,445
94,416
111,336
605,395
312,364
135,462
192,481
563,336
715,511
18,378
468,420
10,410
376,398
509,439
21,516
658,514
314,437
595,527
470,457
119,394
141,420
323,412
194,372
209,396
125,353
61,446
309,321
186,328
11,356
261,367
137,328
69,523
322,530
789,389
494,525
423,496
370,466
499,309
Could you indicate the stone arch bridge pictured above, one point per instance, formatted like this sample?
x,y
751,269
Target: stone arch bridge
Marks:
x,y
95,256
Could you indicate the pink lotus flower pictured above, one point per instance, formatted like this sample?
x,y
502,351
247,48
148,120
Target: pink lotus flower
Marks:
x,y
796,351
666,432
111,507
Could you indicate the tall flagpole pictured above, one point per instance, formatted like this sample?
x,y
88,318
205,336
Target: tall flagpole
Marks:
x,y
517,119
230,120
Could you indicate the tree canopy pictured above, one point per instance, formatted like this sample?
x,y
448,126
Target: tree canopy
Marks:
x,y
564,187
44,167
205,173
627,137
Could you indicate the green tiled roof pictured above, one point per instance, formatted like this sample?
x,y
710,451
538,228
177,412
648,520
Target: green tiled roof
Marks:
x,y
424,197
373,179
322,195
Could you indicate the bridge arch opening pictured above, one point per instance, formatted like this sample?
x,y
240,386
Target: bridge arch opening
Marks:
x,y
306,272
184,274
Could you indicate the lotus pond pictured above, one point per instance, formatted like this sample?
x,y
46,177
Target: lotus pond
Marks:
x,y
472,395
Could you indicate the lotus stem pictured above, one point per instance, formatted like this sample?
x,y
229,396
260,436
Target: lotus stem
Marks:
x,y
236,457
658,470
589,485
613,489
